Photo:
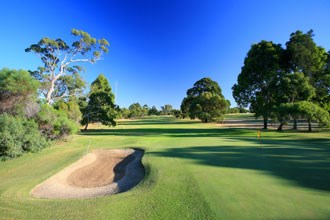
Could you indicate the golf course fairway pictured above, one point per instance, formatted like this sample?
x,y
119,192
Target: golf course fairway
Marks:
x,y
192,171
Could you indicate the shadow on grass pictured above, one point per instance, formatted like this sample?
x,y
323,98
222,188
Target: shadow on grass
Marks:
x,y
305,162
170,132
158,121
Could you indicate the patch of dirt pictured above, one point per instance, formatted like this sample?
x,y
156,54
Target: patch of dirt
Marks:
x,y
99,173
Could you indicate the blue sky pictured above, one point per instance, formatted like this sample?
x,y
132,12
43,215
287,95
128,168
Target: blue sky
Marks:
x,y
160,48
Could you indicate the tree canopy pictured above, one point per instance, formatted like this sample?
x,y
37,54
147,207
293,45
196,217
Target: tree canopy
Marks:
x,y
100,107
276,82
258,79
204,101
17,92
59,74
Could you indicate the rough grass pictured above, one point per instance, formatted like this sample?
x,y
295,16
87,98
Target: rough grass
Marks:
x,y
194,171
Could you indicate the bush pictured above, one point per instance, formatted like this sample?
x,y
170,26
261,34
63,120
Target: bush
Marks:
x,y
19,135
54,124
71,108
33,140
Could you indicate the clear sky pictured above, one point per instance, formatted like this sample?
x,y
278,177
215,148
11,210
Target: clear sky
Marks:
x,y
159,48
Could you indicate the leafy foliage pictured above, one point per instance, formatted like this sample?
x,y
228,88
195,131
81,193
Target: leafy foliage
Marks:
x,y
259,78
71,108
100,107
59,74
153,111
204,101
54,124
19,135
17,91
312,60
166,109
136,110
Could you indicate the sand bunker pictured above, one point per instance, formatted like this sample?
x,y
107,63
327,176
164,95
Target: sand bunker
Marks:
x,y
99,173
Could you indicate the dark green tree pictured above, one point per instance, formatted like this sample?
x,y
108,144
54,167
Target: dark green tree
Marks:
x,y
153,111
306,57
258,81
205,101
294,87
60,71
100,107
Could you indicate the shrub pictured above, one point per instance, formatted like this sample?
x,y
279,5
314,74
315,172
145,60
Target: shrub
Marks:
x,y
19,135
71,108
54,124
17,91
32,140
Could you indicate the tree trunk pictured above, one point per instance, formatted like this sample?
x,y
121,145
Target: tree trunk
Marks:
x,y
295,124
85,129
50,92
280,127
309,125
265,122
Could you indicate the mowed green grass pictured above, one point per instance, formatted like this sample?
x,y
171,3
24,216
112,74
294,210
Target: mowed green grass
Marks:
x,y
194,171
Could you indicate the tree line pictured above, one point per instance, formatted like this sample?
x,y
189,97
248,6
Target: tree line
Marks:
x,y
50,103
136,110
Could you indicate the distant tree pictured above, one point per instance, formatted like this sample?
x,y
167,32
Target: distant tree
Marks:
x,y
243,110
153,111
257,83
60,72
177,113
18,92
136,110
145,110
228,106
124,113
101,107
167,109
205,101
234,110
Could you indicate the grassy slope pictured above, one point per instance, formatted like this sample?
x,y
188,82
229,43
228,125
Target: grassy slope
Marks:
x,y
194,171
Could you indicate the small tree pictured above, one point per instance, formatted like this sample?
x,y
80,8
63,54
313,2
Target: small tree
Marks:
x,y
205,101
311,112
145,110
60,72
167,109
153,111
136,110
101,107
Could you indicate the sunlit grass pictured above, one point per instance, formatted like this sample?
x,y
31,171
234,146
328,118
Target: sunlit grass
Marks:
x,y
194,171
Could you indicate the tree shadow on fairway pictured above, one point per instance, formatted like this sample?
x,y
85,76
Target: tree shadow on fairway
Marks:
x,y
169,132
157,121
306,162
